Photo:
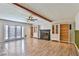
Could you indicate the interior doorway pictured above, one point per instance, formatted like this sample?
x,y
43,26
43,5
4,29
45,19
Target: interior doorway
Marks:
x,y
65,32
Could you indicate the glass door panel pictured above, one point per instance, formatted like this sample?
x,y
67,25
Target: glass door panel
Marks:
x,y
18,32
11,32
22,31
6,32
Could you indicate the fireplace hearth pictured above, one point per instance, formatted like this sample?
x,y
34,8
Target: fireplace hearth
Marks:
x,y
45,34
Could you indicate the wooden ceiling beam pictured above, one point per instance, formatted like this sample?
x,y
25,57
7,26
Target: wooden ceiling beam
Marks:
x,y
27,9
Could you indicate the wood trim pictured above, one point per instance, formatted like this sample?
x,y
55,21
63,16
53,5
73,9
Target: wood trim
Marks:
x,y
27,9
76,48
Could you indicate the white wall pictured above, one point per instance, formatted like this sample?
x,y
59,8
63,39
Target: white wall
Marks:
x,y
72,37
43,23
77,21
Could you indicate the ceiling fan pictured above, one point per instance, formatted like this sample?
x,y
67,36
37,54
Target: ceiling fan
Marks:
x,y
30,18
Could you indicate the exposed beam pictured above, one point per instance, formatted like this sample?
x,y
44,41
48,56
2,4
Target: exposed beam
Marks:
x,y
27,9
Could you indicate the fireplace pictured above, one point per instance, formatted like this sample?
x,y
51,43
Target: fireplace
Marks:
x,y
45,34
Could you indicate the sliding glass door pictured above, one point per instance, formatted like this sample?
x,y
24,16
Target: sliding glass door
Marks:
x,y
14,38
13,32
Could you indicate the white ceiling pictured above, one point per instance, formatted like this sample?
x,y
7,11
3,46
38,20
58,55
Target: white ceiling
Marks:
x,y
55,11
12,12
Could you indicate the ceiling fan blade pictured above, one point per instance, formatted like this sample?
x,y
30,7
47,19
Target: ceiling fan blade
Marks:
x,y
33,19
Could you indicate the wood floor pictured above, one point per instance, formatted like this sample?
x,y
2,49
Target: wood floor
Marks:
x,y
37,47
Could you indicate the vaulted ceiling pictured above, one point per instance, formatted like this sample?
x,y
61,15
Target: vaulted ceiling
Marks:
x,y
52,11
9,11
